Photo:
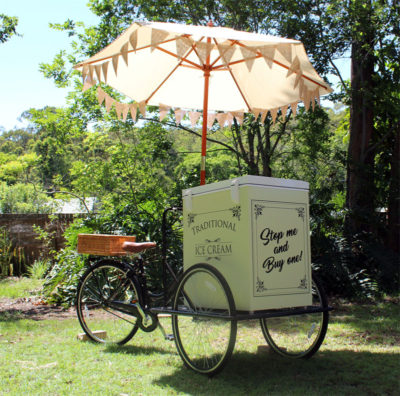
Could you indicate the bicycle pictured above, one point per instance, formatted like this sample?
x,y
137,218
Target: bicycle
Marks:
x,y
114,295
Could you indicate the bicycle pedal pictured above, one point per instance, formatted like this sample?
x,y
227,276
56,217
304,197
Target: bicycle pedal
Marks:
x,y
169,337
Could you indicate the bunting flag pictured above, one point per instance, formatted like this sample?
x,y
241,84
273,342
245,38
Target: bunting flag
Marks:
x,y
210,119
133,39
133,110
109,102
118,109
157,37
85,71
256,113
194,117
97,69
221,118
163,111
263,116
268,53
239,115
306,99
124,52
115,63
274,113
229,119
125,110
286,51
179,114
182,46
248,56
297,80
203,51
226,52
293,106
104,67
87,84
100,95
284,110
294,67
91,72
316,94
142,108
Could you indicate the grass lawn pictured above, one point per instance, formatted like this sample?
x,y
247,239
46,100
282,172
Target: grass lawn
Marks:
x,y
360,356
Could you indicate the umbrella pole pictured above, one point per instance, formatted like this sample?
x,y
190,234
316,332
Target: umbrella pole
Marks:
x,y
206,69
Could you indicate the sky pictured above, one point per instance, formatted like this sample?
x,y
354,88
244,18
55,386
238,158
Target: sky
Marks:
x,y
22,86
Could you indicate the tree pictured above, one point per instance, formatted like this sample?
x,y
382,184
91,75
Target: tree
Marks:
x,y
8,27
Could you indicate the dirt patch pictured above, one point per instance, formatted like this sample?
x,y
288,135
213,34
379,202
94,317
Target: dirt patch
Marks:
x,y
32,308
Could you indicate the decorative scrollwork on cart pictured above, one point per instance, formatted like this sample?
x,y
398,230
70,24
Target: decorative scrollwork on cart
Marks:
x,y
303,284
258,210
260,286
236,211
301,213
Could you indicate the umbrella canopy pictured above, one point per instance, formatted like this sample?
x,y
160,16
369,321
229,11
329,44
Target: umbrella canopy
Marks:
x,y
204,67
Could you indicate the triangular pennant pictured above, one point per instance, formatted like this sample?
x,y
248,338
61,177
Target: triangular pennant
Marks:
x,y
182,46
85,71
306,99
91,72
157,37
118,109
302,88
104,67
210,119
163,111
229,119
256,113
115,63
179,113
100,95
87,84
203,50
124,52
142,108
97,68
125,110
293,106
284,110
226,52
109,102
133,110
317,96
133,39
286,51
268,52
194,117
249,57
297,80
294,67
263,116
221,118
274,113
239,115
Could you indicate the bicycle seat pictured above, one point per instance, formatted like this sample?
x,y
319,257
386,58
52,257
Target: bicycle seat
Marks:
x,y
137,247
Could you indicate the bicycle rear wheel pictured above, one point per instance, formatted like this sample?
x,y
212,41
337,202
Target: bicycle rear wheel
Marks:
x,y
298,336
205,343
106,281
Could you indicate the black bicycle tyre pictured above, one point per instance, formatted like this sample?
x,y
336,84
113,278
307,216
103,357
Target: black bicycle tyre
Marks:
x,y
80,310
204,365
323,317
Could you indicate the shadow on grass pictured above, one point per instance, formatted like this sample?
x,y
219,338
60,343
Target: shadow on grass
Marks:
x,y
329,372
136,350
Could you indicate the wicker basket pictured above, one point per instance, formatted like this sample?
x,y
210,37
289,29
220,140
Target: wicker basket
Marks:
x,y
103,245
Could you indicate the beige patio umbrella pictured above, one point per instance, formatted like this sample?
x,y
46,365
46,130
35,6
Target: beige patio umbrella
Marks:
x,y
221,71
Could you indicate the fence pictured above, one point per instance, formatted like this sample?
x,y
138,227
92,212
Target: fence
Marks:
x,y
20,230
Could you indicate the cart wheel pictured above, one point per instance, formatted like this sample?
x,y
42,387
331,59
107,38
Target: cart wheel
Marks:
x,y
298,336
204,343
104,281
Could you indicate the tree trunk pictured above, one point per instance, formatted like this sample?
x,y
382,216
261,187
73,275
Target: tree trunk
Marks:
x,y
394,195
360,167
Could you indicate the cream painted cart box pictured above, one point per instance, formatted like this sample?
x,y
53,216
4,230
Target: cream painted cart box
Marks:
x,y
255,231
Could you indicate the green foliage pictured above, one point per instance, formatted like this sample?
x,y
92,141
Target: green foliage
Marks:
x,y
6,253
38,269
8,27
